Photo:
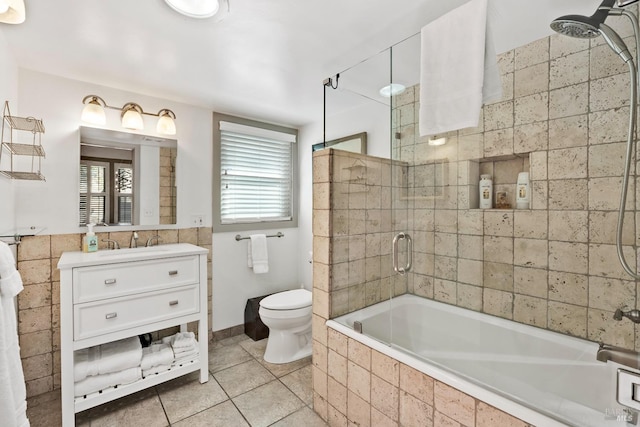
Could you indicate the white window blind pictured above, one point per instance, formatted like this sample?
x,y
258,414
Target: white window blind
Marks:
x,y
256,168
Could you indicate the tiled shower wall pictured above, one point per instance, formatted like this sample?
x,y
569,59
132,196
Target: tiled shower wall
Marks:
x,y
563,117
39,302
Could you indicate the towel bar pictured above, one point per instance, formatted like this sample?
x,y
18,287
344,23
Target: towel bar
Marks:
x,y
239,237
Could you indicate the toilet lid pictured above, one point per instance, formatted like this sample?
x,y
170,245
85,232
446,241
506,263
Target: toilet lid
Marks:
x,y
287,300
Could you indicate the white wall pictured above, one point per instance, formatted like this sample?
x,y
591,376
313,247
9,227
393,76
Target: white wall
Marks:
x,y
58,102
8,92
373,118
234,282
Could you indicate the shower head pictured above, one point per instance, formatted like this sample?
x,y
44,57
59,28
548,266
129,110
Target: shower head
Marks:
x,y
615,42
583,26
578,26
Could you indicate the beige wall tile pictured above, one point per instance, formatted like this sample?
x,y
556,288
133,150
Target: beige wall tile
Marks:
x,y
567,163
488,416
498,276
568,194
498,224
358,410
532,53
608,125
470,247
335,418
569,226
603,261
569,70
338,342
604,194
568,319
319,382
414,412
506,61
469,296
530,253
569,101
379,419
454,404
568,287
337,395
34,247
568,257
446,267
498,249
385,367
533,79
385,397
606,159
561,45
36,271
498,142
602,227
470,271
498,303
34,296
39,366
34,319
360,354
498,116
35,343
530,224
39,386
470,222
608,92
530,310
531,137
445,291
416,383
442,420
568,132
532,108
610,294
530,281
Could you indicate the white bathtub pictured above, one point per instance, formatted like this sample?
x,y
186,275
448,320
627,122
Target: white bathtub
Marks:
x,y
541,377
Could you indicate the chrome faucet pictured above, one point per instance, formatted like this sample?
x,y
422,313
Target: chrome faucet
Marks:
x,y
134,240
151,239
619,355
633,315
111,242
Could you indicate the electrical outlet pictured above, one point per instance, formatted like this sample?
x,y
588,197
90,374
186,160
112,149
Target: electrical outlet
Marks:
x,y
197,220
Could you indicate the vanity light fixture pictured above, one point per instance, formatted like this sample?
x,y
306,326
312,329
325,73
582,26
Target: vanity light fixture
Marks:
x,y
435,141
130,116
195,8
12,11
392,90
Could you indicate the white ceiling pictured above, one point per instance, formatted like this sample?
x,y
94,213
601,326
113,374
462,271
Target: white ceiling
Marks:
x,y
266,59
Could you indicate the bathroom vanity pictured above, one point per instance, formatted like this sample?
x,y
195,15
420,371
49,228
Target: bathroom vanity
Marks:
x,y
110,295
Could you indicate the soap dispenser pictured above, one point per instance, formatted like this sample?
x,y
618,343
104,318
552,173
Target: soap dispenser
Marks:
x,y
90,240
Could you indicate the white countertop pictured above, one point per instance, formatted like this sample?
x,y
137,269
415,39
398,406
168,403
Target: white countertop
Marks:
x,y
82,259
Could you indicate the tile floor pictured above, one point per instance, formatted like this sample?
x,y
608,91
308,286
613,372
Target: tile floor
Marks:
x,y
243,390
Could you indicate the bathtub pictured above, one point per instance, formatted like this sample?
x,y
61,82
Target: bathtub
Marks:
x,y
542,377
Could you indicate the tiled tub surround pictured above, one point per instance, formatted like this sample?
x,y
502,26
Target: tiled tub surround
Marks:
x,y
543,377
39,303
564,116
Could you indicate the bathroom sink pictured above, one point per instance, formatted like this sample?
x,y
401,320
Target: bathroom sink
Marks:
x,y
123,253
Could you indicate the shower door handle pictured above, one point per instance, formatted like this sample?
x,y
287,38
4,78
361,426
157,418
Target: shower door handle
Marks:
x,y
396,240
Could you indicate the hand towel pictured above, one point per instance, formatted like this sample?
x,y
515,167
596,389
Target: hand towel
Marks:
x,y
156,355
13,394
257,256
458,71
186,357
101,382
183,339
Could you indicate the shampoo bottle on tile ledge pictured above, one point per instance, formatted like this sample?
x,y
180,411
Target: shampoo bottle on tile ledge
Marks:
x,y
90,241
523,197
486,191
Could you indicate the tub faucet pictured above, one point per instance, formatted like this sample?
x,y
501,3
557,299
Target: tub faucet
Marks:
x,y
134,240
633,315
151,239
619,355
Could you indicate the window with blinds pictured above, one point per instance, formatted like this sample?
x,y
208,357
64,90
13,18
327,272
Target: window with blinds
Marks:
x,y
256,174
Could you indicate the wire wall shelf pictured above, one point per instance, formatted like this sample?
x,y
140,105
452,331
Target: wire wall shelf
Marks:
x,y
11,125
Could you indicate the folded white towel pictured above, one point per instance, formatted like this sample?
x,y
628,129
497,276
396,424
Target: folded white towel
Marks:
x,y
156,370
101,382
178,352
107,358
186,357
156,355
458,69
13,395
183,339
257,254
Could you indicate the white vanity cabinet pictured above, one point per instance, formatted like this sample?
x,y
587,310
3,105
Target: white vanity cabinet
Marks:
x,y
110,295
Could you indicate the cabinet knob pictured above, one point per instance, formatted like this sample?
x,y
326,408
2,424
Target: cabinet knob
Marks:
x,y
173,273
110,281
111,315
174,302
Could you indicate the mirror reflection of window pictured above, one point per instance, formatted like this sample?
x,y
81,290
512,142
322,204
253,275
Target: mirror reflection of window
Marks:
x,y
106,185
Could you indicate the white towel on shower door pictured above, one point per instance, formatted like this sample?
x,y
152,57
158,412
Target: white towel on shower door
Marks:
x,y
257,254
458,69
13,394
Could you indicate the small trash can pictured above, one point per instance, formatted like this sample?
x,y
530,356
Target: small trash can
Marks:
x,y
253,326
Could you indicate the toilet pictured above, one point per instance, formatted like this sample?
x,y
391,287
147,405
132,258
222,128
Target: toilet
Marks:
x,y
288,316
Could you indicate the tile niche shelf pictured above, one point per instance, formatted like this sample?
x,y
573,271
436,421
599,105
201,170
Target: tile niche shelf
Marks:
x,y
11,126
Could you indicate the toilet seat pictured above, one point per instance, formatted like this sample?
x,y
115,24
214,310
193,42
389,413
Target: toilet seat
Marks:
x,y
287,300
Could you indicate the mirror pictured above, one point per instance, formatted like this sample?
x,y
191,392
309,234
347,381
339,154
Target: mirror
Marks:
x,y
126,178
355,143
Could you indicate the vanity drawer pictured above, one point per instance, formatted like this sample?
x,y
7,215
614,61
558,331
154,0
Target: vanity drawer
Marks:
x,y
114,280
103,317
